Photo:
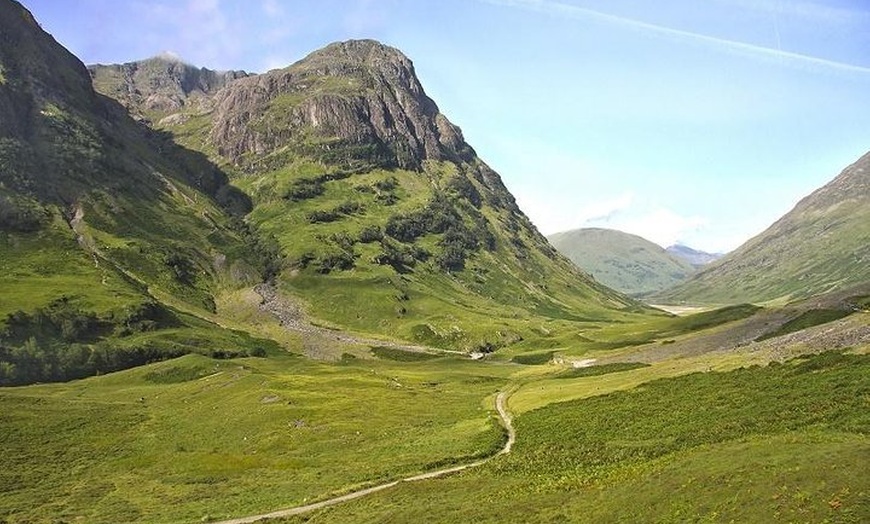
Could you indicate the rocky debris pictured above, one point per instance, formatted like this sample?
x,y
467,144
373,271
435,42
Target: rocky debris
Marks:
x,y
292,318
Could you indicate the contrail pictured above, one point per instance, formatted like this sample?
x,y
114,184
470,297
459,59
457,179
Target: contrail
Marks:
x,y
551,7
776,27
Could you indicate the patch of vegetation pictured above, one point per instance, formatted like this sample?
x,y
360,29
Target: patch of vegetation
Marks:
x,y
22,215
807,319
783,442
207,434
708,319
399,355
61,320
304,189
62,341
336,260
336,213
371,234
604,369
533,359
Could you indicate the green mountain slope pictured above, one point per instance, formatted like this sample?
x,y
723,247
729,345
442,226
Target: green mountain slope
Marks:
x,y
625,262
98,216
821,245
389,222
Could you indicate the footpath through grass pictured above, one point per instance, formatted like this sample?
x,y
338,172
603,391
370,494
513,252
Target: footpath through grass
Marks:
x,y
196,439
782,443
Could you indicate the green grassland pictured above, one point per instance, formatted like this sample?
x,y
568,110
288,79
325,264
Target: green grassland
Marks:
x,y
195,437
783,443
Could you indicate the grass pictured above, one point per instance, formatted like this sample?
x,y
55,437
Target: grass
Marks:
x,y
604,369
782,443
398,355
194,437
533,359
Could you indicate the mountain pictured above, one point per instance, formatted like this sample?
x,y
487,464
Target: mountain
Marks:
x,y
388,221
625,262
159,85
693,256
100,216
127,218
821,245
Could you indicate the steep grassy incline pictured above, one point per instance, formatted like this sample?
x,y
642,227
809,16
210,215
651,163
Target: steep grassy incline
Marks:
x,y
388,221
625,262
822,245
98,216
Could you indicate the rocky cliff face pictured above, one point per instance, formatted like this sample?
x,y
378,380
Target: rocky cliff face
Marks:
x,y
352,100
160,85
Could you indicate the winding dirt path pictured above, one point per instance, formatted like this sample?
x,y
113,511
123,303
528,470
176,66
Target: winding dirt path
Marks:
x,y
506,420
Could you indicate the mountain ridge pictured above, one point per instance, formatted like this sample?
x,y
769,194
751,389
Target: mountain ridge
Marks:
x,y
821,245
693,256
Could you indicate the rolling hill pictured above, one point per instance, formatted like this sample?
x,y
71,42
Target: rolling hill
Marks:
x,y
821,245
625,262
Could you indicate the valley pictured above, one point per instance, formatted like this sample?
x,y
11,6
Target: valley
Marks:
x,y
301,296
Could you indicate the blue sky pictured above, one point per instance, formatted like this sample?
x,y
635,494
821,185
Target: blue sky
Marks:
x,y
698,121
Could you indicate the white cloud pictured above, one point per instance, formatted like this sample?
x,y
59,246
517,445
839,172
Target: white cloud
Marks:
x,y
560,9
660,225
605,209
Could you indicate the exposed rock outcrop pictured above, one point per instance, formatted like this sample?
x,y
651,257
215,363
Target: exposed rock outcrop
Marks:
x,y
162,84
350,101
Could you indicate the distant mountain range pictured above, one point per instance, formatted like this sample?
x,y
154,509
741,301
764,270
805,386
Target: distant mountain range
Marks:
x,y
821,245
693,256
627,262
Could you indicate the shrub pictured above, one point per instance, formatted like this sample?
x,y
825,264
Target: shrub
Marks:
x,y
461,186
22,216
182,268
371,234
304,189
452,258
388,184
348,208
336,260
321,216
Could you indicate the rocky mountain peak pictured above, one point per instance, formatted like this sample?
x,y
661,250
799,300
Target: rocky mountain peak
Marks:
x,y
354,101
161,84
